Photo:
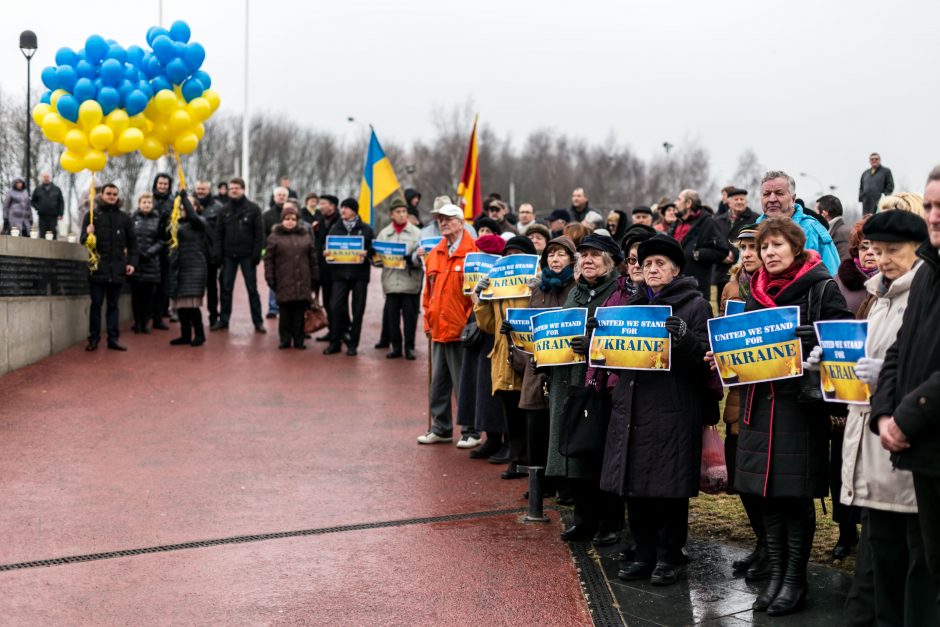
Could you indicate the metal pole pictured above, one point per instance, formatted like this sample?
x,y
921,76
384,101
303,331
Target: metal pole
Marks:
x,y
29,122
246,170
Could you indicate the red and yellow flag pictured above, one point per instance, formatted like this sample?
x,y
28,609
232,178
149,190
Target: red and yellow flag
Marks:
x,y
468,189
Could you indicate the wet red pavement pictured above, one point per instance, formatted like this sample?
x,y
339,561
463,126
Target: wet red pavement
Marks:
x,y
164,445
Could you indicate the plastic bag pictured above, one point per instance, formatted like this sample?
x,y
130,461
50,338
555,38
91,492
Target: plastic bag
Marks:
x,y
714,474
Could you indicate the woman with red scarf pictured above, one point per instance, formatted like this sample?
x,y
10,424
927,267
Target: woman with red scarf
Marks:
x,y
783,438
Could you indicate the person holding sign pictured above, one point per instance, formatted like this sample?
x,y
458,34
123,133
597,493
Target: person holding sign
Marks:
x,y
596,513
783,441
654,442
401,286
349,279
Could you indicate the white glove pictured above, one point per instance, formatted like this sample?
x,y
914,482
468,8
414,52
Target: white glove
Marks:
x,y
868,368
813,359
482,284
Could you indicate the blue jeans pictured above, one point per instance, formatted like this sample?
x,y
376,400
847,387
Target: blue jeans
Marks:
x,y
272,304
230,266
100,292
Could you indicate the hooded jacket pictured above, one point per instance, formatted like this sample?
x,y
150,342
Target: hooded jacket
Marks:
x,y
162,203
116,243
17,209
150,244
817,238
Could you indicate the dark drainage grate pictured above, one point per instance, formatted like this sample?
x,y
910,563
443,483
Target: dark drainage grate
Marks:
x,y
91,557
594,586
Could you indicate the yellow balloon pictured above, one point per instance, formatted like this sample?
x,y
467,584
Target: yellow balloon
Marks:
x,y
130,140
76,141
199,109
71,162
117,121
95,160
40,111
212,96
89,114
54,98
199,130
152,148
186,143
54,127
180,120
163,132
165,101
101,137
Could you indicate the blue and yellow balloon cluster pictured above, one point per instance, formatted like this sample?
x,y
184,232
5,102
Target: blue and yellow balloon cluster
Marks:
x,y
105,100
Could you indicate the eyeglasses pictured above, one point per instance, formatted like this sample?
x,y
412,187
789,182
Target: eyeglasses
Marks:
x,y
632,261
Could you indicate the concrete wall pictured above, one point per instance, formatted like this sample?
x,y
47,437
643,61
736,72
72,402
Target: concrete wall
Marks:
x,y
34,327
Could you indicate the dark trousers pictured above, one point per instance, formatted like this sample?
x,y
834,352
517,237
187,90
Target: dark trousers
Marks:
x,y
161,300
660,528
401,311
230,266
594,508
515,427
49,223
100,291
383,336
142,298
928,508
859,608
339,303
212,289
290,325
846,515
536,441
326,293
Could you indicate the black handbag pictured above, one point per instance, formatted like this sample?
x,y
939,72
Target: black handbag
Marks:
x,y
584,422
471,336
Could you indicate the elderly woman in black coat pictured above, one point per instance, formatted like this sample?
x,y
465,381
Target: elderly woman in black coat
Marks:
x,y
783,440
654,441
189,269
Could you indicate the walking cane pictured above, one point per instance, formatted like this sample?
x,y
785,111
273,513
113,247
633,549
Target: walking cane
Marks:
x,y
430,371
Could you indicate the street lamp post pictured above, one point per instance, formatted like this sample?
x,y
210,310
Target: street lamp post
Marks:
x,y
28,47
817,181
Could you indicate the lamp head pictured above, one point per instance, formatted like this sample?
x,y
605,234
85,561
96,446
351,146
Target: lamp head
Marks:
x,y
28,43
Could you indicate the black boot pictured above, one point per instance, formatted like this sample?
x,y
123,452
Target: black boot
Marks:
x,y
760,566
745,562
199,333
801,527
775,525
186,330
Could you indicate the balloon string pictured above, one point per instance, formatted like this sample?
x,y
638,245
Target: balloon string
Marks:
x,y
90,240
175,214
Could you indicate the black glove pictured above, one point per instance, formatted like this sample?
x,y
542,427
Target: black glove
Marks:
x,y
806,332
579,344
182,193
533,367
677,328
505,328
591,323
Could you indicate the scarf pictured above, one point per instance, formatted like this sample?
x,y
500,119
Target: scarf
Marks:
x,y
556,281
867,273
350,224
685,225
744,284
765,287
399,228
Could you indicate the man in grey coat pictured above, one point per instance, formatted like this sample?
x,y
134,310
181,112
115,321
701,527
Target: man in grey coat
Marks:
x,y
830,207
876,181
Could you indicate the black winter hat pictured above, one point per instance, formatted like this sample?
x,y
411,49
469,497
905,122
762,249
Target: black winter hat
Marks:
x,y
489,223
737,191
642,209
521,244
895,226
330,198
662,244
603,244
350,203
559,214
635,235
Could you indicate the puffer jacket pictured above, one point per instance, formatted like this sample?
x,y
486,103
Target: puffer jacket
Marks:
x,y
490,315
189,261
116,243
150,244
290,264
407,281
17,209
868,480
446,309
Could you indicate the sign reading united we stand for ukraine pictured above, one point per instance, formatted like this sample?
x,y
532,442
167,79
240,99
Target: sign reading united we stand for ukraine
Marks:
x,y
510,277
390,254
551,335
631,338
344,249
757,346
475,267
521,322
843,344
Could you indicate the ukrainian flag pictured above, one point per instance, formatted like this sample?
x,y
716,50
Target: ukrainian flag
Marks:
x,y
378,181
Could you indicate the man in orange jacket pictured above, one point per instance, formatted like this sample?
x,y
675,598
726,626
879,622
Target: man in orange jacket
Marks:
x,y
446,311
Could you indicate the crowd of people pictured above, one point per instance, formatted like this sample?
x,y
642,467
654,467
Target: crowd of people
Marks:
x,y
784,447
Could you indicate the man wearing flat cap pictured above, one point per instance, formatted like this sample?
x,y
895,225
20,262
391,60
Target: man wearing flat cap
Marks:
x,y
401,286
642,215
730,224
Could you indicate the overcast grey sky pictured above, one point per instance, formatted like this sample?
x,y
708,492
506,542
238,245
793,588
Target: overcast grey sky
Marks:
x,y
811,86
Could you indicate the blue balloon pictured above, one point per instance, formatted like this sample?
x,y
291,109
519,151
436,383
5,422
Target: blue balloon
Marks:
x,y
66,56
65,77
131,73
203,77
163,49
125,89
117,53
135,102
177,71
192,88
108,98
160,83
95,49
85,89
194,55
179,31
180,48
112,72
154,67
154,32
145,88
84,69
49,78
46,98
67,106
135,54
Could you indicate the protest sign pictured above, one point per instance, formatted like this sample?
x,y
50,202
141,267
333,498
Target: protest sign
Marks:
x,y
342,249
510,276
843,344
427,243
631,338
551,335
475,267
734,307
521,321
390,254
757,346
